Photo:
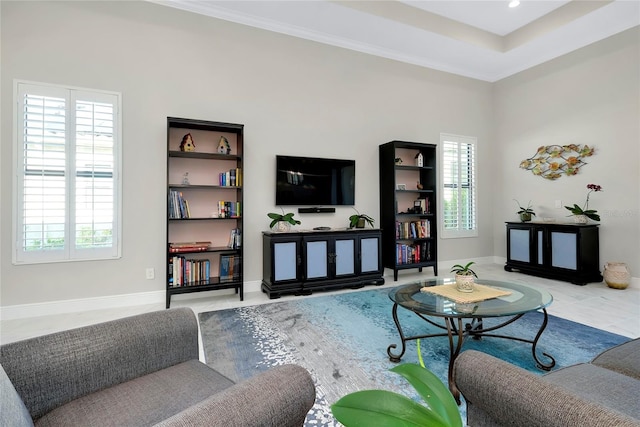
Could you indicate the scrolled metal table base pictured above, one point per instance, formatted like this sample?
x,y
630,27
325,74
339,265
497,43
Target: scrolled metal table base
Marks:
x,y
458,331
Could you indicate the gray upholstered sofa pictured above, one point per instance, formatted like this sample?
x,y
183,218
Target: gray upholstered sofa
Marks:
x,y
138,371
605,392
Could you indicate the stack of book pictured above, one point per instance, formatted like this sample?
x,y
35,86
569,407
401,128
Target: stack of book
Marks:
x,y
178,247
232,178
235,239
230,267
188,272
229,209
413,229
415,253
178,206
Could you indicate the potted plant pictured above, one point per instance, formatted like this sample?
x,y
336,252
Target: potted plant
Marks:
x,y
282,222
581,214
386,408
525,213
358,220
464,276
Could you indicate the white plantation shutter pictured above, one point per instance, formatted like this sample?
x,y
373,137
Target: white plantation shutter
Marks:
x,y
67,194
459,213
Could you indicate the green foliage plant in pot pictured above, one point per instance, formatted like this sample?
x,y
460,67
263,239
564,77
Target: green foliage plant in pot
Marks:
x,y
581,214
359,220
525,213
282,222
464,276
383,408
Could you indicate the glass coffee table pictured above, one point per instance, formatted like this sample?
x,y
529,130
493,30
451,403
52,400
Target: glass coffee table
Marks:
x,y
463,320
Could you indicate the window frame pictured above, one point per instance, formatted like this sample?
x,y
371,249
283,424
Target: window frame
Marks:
x,y
70,252
455,233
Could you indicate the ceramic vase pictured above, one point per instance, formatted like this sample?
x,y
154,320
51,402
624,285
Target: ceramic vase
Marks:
x,y
464,283
617,275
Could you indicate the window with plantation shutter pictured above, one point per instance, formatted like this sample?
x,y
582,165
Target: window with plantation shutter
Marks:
x,y
67,198
459,213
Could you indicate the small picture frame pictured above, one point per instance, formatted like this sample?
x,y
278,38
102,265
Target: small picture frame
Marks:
x,y
401,187
417,206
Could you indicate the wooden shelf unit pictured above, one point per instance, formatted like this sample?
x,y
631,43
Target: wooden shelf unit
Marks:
x,y
203,167
404,246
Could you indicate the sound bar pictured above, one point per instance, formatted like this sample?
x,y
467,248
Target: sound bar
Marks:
x,y
316,210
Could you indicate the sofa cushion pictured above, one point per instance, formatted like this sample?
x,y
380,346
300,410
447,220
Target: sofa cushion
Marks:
x,y
12,409
594,383
623,358
143,401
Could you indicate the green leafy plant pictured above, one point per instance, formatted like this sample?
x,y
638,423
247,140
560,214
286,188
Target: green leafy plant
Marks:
x,y
288,217
383,408
589,213
353,219
464,270
525,213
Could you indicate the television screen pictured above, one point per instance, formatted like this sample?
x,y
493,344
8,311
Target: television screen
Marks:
x,y
309,181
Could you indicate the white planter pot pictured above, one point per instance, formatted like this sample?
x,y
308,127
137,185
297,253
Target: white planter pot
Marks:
x,y
281,227
464,283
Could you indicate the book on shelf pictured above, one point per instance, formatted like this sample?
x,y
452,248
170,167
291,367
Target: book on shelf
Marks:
x,y
230,267
230,178
188,246
178,205
229,209
188,272
420,229
413,253
235,239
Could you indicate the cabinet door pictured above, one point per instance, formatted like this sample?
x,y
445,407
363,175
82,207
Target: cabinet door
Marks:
x,y
564,250
285,261
519,245
345,255
316,256
369,255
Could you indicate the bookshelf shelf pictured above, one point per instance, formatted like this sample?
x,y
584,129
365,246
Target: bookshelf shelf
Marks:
x,y
206,210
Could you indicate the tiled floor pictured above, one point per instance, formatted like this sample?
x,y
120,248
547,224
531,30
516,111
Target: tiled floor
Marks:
x,y
596,305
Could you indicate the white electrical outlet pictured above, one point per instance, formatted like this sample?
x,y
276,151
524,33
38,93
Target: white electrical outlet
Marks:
x,y
151,273
558,204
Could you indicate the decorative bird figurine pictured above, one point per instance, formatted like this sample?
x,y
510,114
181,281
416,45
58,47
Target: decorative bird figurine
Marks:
x,y
419,186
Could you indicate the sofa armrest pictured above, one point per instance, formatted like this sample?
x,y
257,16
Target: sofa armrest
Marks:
x,y
279,397
54,369
503,394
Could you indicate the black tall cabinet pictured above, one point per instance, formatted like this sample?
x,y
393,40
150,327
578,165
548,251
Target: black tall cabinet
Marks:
x,y
408,205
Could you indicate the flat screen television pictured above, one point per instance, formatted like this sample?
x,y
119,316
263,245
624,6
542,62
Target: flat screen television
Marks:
x,y
313,181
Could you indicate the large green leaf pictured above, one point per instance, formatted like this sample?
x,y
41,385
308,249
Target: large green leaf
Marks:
x,y
382,408
433,391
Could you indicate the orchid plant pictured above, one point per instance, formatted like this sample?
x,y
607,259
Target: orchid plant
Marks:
x,y
589,213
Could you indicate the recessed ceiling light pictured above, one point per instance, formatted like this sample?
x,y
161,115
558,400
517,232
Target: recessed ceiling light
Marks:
x,y
514,3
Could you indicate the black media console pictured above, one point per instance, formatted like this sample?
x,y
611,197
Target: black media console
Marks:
x,y
319,260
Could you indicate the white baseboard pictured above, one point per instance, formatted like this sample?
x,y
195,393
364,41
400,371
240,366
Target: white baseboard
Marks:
x,y
22,311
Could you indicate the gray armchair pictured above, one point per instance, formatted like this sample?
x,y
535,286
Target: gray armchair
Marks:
x,y
602,393
140,371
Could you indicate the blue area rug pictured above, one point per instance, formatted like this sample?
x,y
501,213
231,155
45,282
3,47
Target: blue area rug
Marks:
x,y
342,340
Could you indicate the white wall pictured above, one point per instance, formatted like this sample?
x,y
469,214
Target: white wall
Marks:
x,y
293,96
592,97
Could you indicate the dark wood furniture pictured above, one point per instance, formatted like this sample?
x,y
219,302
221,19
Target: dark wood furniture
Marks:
x,y
204,236
306,261
408,206
567,252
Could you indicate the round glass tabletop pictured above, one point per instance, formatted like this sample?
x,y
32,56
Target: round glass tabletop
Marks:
x,y
522,299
